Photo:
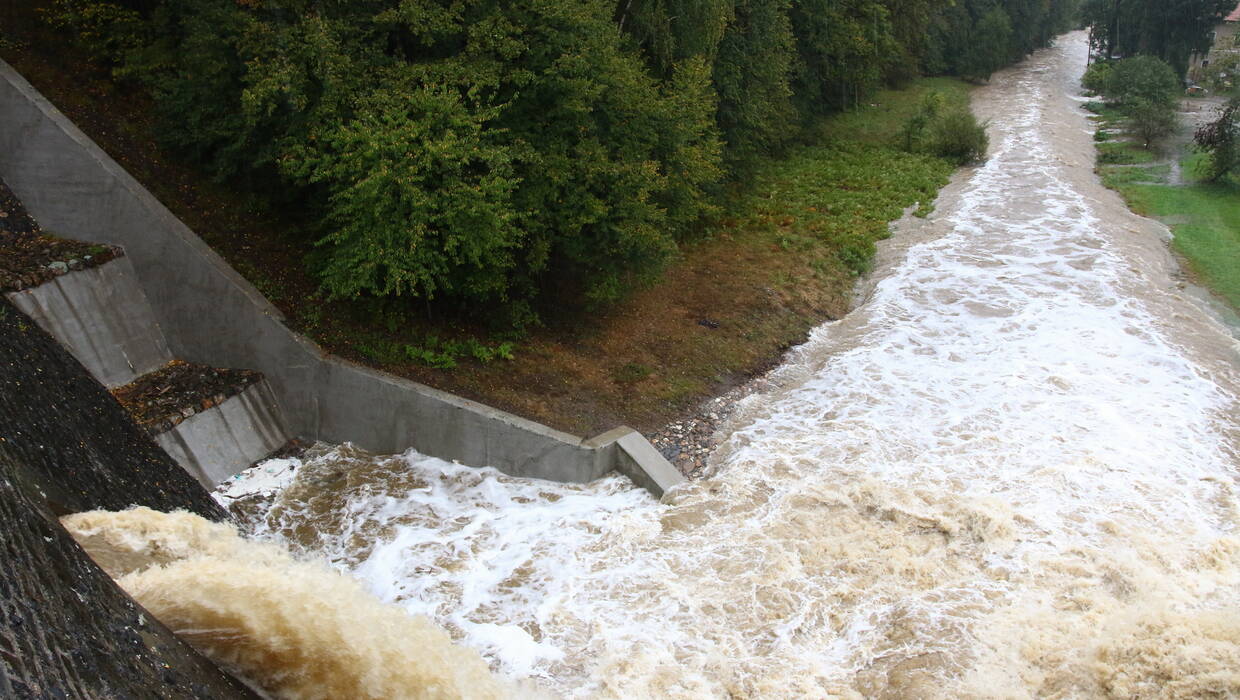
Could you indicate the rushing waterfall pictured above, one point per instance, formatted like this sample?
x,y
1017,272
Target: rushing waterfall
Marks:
x,y
1010,472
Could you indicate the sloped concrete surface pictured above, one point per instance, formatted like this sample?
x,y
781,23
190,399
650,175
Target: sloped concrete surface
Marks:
x,y
211,315
226,439
102,317
66,629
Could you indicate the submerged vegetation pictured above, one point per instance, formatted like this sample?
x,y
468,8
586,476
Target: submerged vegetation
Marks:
x,y
1204,217
1189,183
1199,197
1142,91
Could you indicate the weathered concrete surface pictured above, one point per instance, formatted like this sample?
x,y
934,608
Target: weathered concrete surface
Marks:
x,y
66,630
224,440
213,316
102,317
637,459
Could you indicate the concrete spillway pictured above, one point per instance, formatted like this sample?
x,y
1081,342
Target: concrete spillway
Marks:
x,y
66,630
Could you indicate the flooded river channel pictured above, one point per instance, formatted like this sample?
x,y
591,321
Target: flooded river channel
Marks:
x,y
1010,472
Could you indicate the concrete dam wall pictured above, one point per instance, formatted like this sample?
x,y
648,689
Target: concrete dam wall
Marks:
x,y
66,446
211,315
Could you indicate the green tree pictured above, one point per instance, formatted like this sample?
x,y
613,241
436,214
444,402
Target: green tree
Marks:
x,y
1151,121
1141,79
842,51
990,45
420,197
1220,140
473,150
1170,30
752,77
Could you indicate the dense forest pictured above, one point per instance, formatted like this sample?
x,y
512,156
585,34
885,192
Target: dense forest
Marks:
x,y
507,155
1168,30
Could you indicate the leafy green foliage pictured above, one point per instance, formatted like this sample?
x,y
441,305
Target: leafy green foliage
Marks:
x,y
959,137
1143,90
913,134
433,352
1141,79
1151,120
105,30
842,48
1220,141
478,152
751,76
524,154
1097,76
420,198
839,199
950,132
973,38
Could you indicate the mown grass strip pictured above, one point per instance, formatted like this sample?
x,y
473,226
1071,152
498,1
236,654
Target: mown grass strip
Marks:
x,y
1207,228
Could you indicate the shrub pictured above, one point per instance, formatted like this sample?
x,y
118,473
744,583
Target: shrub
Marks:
x,y
1220,141
1097,76
913,133
1151,120
1143,78
959,137
106,31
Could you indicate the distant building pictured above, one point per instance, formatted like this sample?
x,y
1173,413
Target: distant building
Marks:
x,y
1226,40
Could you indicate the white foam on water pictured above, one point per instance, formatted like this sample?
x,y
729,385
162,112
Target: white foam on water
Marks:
x,y
1010,473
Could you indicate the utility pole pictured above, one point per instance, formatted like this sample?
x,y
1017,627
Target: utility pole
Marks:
x,y
1113,34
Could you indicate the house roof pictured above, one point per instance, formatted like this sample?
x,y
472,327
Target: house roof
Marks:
x,y
1234,16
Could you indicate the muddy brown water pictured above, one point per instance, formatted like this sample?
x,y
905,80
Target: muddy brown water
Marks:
x,y
1010,472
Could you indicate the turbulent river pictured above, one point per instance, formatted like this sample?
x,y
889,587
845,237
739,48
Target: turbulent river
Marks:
x,y
1010,472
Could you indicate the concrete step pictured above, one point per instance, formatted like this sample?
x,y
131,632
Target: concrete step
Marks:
x,y
98,312
213,422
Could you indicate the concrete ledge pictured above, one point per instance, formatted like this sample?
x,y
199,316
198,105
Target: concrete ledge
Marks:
x,y
211,315
102,318
634,457
219,442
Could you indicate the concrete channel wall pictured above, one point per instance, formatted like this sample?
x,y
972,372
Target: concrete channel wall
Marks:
x,y
211,315
215,444
102,317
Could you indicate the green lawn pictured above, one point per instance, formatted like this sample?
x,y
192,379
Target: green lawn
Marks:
x,y
1209,237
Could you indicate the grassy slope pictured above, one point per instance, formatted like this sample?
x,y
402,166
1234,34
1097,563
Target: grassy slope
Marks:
x,y
1209,238
1204,217
781,261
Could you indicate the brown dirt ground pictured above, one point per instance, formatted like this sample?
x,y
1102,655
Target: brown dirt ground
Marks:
x,y
724,313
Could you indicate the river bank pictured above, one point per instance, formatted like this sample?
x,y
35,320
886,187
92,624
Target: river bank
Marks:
x,y
781,260
1165,183
1008,472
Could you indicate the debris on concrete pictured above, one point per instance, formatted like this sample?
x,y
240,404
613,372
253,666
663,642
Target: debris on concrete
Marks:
x,y
30,256
161,400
